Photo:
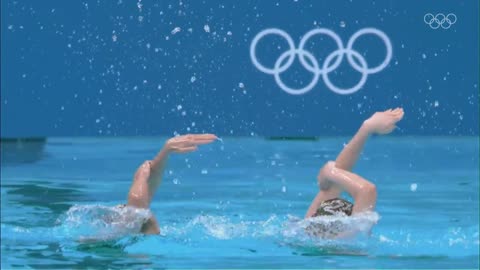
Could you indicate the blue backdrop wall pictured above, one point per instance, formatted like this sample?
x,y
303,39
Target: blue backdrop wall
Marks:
x,y
118,68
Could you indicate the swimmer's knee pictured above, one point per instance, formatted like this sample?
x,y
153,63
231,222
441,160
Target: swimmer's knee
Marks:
x,y
330,164
326,169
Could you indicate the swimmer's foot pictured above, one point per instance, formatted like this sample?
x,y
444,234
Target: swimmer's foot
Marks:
x,y
383,122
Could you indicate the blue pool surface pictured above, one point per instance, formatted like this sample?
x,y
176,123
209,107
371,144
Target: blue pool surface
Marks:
x,y
233,204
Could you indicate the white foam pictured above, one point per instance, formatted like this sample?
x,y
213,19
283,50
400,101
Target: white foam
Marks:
x,y
98,222
288,228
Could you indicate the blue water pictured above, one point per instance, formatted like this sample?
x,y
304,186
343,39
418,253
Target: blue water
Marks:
x,y
237,204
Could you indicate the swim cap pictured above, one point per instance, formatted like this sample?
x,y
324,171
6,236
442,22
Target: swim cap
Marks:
x,y
334,207
330,228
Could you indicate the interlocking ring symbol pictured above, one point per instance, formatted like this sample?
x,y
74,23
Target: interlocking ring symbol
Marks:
x,y
312,64
440,20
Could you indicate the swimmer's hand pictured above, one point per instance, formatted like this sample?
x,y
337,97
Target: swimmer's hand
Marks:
x,y
383,122
188,143
179,144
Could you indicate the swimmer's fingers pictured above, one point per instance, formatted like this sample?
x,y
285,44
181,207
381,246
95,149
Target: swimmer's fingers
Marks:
x,y
204,136
197,139
189,143
200,141
192,142
185,149
194,137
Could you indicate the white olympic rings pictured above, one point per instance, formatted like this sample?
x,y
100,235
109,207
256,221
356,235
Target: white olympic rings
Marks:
x,y
312,64
440,20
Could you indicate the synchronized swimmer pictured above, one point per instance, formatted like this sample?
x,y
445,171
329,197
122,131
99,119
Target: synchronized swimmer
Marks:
x,y
334,177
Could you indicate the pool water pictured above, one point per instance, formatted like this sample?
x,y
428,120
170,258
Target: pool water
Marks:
x,y
238,203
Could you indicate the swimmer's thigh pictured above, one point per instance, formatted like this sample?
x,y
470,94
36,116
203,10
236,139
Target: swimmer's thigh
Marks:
x,y
363,192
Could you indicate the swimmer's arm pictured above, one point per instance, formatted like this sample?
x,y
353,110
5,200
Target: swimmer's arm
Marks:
x,y
180,144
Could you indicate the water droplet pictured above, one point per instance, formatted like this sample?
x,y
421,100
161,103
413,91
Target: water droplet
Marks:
x,y
176,30
206,28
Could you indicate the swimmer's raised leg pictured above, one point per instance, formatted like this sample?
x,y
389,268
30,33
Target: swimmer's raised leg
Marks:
x,y
336,177
378,123
148,176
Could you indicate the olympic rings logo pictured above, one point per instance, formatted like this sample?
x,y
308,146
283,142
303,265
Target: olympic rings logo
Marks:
x,y
312,64
440,20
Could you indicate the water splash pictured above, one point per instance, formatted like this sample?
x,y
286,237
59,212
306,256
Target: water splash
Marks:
x,y
333,227
118,227
287,227
92,223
